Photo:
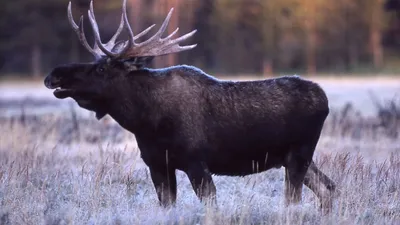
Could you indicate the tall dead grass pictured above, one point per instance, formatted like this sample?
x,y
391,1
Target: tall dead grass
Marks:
x,y
101,180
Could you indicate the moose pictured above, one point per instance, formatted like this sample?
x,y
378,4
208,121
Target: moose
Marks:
x,y
184,119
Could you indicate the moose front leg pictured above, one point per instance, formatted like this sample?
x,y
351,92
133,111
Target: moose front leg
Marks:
x,y
202,182
164,181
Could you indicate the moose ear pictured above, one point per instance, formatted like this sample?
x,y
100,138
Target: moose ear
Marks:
x,y
138,63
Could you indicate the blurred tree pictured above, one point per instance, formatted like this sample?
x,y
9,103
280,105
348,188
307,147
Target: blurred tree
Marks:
x,y
234,36
375,19
202,20
310,13
238,35
280,31
223,19
28,30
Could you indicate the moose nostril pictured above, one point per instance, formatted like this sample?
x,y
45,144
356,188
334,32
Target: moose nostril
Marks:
x,y
46,81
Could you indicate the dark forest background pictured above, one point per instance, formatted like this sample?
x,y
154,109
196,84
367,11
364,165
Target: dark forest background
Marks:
x,y
234,36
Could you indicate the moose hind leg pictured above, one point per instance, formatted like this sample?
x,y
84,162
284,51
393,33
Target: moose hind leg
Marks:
x,y
202,182
164,181
321,185
295,171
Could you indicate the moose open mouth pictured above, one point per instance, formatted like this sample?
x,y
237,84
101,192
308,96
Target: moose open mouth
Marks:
x,y
62,93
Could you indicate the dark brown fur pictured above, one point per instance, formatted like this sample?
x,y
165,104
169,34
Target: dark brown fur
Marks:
x,y
184,119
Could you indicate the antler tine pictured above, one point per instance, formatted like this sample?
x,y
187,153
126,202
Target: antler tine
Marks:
x,y
123,24
173,33
165,23
182,38
143,32
80,32
96,32
177,48
131,41
128,27
117,33
132,38
161,30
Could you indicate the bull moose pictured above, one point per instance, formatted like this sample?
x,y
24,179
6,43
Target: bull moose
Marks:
x,y
184,119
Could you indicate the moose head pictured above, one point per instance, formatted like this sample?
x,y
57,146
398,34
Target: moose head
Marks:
x,y
93,84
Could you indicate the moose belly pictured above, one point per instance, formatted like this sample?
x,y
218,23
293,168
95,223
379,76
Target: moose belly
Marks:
x,y
251,153
242,167
236,161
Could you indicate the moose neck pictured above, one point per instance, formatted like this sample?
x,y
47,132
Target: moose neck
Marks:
x,y
133,102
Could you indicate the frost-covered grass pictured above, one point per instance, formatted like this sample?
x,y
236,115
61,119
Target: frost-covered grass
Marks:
x,y
43,181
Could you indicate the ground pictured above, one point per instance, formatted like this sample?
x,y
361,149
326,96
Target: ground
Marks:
x,y
50,175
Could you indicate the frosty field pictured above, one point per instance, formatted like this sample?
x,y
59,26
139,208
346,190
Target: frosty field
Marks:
x,y
58,165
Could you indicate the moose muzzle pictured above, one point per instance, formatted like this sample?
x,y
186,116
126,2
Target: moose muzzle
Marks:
x,y
54,80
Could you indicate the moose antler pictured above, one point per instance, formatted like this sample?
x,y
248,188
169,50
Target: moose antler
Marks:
x,y
95,51
154,46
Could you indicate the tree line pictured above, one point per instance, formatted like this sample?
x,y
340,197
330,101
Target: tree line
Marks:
x,y
234,36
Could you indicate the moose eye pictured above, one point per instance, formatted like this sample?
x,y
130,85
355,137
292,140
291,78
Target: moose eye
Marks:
x,y
101,69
